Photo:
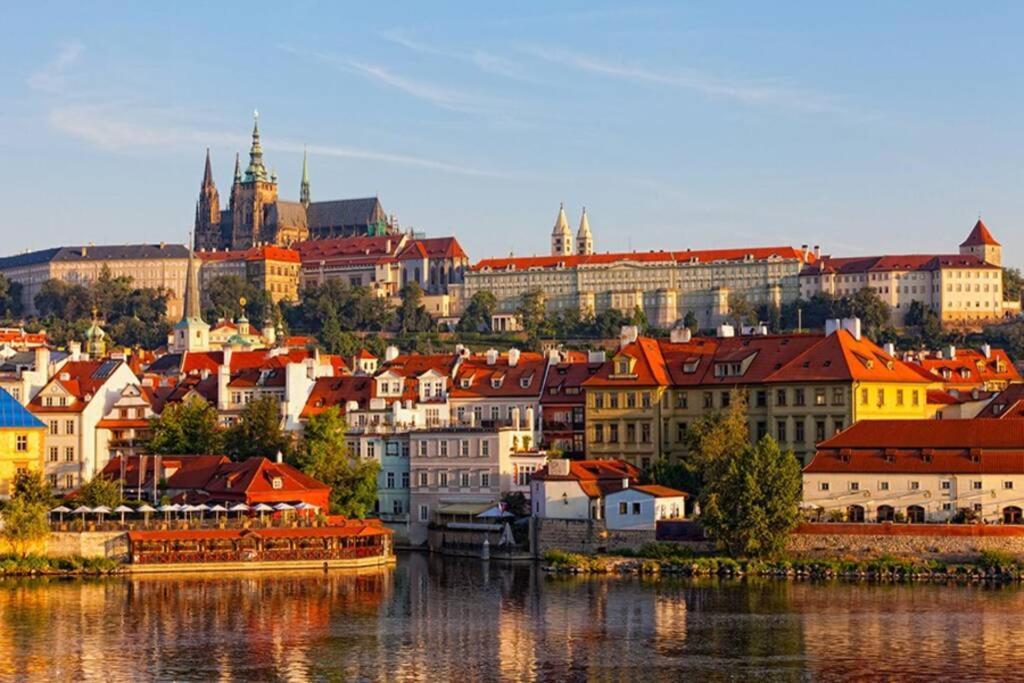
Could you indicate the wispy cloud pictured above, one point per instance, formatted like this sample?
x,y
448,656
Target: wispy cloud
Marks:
x,y
772,92
485,61
52,76
123,129
440,96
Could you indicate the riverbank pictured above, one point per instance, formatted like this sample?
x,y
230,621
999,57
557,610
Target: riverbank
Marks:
x,y
991,566
67,565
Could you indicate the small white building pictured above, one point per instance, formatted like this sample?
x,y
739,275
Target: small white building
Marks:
x,y
640,508
575,489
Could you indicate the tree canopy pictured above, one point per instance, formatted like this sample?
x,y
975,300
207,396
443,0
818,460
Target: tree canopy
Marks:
x,y
99,491
478,312
411,316
323,454
257,431
187,428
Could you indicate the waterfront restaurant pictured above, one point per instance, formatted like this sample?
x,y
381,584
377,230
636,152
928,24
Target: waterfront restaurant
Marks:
x,y
350,542
920,471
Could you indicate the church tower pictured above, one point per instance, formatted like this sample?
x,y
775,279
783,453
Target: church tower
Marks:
x,y
584,239
191,333
304,187
982,244
207,227
561,235
251,196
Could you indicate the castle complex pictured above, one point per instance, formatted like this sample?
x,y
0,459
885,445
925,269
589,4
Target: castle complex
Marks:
x,y
256,216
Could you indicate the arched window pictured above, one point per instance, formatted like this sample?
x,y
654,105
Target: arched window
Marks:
x,y
885,513
855,513
1012,515
915,514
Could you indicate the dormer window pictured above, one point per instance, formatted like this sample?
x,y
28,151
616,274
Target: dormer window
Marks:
x,y
277,483
623,366
465,382
497,381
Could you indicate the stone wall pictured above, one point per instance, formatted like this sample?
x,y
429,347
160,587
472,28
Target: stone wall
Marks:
x,y
582,536
88,544
950,542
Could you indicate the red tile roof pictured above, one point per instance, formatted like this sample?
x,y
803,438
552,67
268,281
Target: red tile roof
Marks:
x,y
649,370
564,382
980,236
337,391
476,378
924,446
81,379
1007,404
698,256
266,253
969,368
907,262
349,250
660,491
596,478
433,247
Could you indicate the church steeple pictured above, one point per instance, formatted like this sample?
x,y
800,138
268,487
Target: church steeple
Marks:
x,y
584,238
207,172
191,333
256,170
238,168
561,235
304,187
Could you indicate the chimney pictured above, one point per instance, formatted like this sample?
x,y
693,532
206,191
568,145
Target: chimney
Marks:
x,y
280,458
951,352
516,422
227,356
42,355
559,467
852,325
817,252
726,330
625,482
596,356
986,350
890,348
680,334
492,356
807,252
513,357
627,335
832,325
75,349
390,353
529,419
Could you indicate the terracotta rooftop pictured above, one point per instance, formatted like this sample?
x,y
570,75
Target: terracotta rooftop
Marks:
x,y
980,236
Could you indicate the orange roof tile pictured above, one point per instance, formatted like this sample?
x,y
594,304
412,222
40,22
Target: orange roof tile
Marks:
x,y
980,236
699,256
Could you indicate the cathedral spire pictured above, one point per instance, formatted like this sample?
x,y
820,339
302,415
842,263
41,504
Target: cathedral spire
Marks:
x,y
256,169
238,168
207,172
304,187
191,333
561,235
584,238
192,303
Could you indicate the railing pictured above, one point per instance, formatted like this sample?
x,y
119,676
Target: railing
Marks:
x,y
158,523
256,555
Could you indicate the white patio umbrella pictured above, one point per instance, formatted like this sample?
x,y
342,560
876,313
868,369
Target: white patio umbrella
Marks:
x,y
239,508
217,509
101,510
306,506
261,508
60,510
283,506
82,510
168,509
122,509
145,509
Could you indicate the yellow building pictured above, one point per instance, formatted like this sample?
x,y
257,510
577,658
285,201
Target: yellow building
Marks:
x,y
21,442
801,389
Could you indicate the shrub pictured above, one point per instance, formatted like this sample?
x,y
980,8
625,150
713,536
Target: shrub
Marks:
x,y
997,559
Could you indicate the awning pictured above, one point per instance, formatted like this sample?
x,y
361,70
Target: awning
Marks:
x,y
464,508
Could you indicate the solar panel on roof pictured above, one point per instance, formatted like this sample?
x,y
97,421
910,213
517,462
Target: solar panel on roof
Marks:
x,y
105,368
13,414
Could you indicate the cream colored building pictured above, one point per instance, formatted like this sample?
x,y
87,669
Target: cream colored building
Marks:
x,y
148,265
665,284
964,287
919,471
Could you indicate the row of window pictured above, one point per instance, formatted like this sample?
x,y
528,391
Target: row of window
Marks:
x,y
54,427
634,432
913,485
630,399
442,479
461,448
53,454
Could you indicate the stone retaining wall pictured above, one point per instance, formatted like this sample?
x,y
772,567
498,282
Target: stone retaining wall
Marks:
x,y
582,536
88,544
951,542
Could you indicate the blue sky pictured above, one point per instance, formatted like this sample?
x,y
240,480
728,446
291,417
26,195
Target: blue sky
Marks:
x,y
863,127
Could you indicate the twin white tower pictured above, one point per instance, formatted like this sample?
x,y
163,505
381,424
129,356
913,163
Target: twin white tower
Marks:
x,y
562,243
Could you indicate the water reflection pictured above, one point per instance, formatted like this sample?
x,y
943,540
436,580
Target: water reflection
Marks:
x,y
430,619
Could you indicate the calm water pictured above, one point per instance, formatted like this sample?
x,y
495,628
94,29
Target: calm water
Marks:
x,y
430,619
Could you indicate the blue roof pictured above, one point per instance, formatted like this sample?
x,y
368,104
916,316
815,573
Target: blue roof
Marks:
x,y
15,415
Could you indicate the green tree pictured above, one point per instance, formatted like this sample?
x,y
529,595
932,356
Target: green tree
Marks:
x,y
412,317
99,491
32,487
323,454
531,311
865,304
751,503
187,428
712,438
10,298
25,525
690,321
1013,284
258,431
479,310
741,311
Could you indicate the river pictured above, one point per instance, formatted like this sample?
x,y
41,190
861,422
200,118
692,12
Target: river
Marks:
x,y
435,619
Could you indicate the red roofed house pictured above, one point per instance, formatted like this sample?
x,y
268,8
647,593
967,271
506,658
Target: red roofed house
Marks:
x,y
563,404
72,404
665,284
576,489
963,287
920,470
1007,404
966,370
640,507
